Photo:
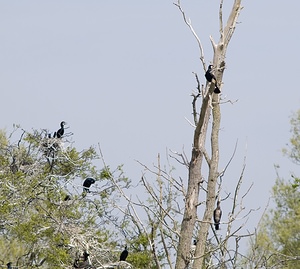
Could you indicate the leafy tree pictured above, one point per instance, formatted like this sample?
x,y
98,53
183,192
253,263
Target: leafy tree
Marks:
x,y
46,220
293,149
277,244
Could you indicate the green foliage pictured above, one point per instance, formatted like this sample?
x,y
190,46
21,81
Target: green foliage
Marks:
x,y
279,231
293,150
140,256
296,182
286,218
278,239
39,227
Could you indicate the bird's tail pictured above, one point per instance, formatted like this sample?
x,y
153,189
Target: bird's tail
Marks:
x,y
216,90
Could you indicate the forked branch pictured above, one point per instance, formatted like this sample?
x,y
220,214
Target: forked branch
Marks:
x,y
189,24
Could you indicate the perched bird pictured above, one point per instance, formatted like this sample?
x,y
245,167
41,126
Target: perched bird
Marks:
x,y
9,265
124,254
209,75
217,216
60,132
87,184
193,248
83,262
67,197
85,255
13,166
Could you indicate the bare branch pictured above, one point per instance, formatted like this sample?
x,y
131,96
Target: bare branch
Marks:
x,y
230,160
231,22
190,123
221,20
189,24
182,156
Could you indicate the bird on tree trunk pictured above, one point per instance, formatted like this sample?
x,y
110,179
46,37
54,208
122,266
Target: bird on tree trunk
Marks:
x,y
209,75
217,216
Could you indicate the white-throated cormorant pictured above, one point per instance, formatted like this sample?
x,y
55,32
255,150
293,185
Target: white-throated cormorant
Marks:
x,y
87,184
209,75
60,132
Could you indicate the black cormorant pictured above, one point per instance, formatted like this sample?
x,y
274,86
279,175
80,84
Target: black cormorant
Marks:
x,y
209,75
67,197
87,184
124,254
217,216
60,132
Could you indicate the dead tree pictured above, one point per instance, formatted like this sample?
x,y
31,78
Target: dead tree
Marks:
x,y
210,107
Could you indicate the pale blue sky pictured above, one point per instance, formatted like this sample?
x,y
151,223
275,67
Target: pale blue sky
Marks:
x,y
120,73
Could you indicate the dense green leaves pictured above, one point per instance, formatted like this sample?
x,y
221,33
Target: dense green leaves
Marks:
x,y
278,240
293,150
279,232
39,227
46,219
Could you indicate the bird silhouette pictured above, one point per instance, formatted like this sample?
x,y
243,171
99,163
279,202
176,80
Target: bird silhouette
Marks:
x,y
60,132
87,184
217,216
210,77
124,254
9,265
67,198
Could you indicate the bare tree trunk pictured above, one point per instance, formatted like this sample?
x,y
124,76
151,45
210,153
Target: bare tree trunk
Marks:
x,y
210,105
195,179
211,185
